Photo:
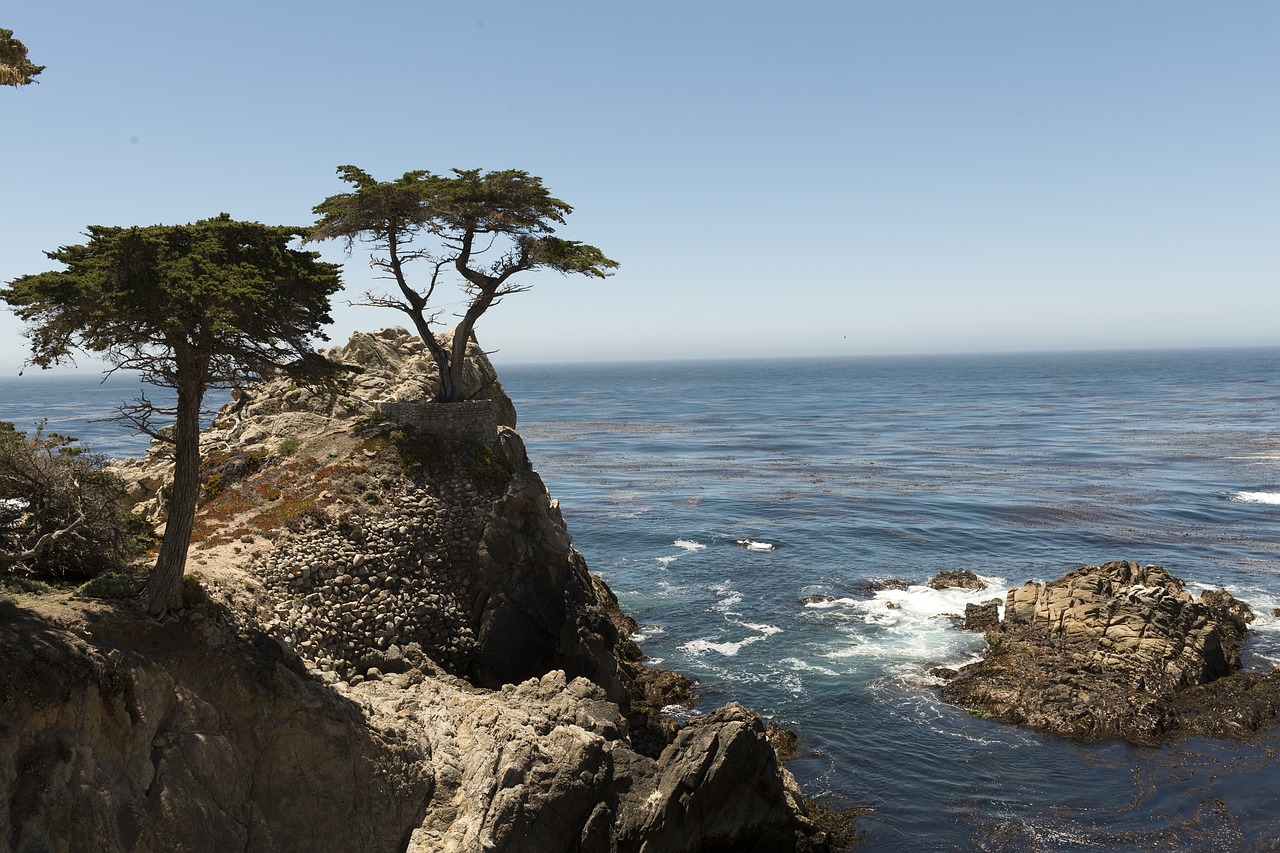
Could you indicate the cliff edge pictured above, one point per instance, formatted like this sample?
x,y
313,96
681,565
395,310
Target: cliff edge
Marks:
x,y
391,645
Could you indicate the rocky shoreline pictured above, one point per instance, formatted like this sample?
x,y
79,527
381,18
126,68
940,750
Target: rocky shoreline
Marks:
x,y
1116,650
391,645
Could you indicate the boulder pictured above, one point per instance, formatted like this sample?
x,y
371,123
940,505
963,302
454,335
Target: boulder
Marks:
x,y
982,617
956,579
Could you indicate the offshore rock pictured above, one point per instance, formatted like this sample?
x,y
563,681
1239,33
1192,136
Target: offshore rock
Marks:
x,y
1118,650
956,579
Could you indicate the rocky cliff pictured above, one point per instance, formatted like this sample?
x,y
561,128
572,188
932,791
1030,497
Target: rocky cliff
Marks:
x,y
395,647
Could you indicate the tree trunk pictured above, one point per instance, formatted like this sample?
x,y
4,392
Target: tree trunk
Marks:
x,y
451,373
450,383
164,587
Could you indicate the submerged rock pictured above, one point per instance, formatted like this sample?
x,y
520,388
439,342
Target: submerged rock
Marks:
x,y
1118,650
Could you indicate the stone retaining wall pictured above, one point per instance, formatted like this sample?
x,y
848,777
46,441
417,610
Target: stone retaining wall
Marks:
x,y
470,420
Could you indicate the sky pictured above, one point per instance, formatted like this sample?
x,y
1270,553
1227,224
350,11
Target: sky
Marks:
x,y
800,179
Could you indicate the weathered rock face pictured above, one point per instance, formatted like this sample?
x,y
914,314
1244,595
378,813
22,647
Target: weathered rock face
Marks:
x,y
1112,651
187,737
184,737
424,664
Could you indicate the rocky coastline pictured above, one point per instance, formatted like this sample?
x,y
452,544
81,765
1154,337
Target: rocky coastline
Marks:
x,y
390,644
1116,650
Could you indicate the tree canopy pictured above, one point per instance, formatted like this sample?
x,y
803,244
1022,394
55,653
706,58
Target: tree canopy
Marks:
x,y
213,303
474,229
15,68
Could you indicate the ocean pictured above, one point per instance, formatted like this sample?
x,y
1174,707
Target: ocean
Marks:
x,y
742,510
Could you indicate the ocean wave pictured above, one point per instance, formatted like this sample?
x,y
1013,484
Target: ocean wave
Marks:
x,y
753,545
666,561
829,603
729,649
1255,497
688,545
767,630
728,599
804,666
648,632
697,647
894,626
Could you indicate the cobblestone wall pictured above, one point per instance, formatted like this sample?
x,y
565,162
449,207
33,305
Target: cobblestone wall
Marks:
x,y
471,420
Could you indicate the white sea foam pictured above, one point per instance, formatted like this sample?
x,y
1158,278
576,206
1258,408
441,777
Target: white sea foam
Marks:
x,y
916,625
697,647
804,666
728,601
729,649
679,712
666,561
688,545
829,603
1256,497
648,632
752,545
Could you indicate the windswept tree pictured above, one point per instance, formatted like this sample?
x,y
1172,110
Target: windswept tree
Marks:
x,y
478,230
15,68
212,304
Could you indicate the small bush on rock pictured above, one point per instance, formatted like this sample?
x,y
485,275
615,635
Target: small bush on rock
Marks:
x,y
59,511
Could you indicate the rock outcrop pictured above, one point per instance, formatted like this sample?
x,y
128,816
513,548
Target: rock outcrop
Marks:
x,y
401,650
1118,650
956,579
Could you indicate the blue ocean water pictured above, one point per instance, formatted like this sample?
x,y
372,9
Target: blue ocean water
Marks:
x,y
716,496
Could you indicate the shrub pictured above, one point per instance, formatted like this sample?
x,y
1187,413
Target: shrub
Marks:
x,y
59,509
111,585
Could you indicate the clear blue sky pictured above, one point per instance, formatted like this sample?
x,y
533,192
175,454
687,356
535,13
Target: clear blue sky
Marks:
x,y
776,179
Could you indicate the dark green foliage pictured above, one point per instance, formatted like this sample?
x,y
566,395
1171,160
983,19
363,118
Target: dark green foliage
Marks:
x,y
15,68
229,299
113,585
489,468
214,303
474,229
59,510
427,454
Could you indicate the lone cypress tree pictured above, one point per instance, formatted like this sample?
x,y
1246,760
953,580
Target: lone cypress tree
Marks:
x,y
211,304
483,228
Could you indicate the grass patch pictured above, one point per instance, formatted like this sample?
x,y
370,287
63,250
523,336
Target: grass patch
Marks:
x,y
113,585
14,585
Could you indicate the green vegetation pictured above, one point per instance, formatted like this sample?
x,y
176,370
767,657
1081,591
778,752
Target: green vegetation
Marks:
x,y
485,228
59,510
489,468
113,585
15,69
211,304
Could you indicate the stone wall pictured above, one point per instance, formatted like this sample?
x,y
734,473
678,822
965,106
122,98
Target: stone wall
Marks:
x,y
470,420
